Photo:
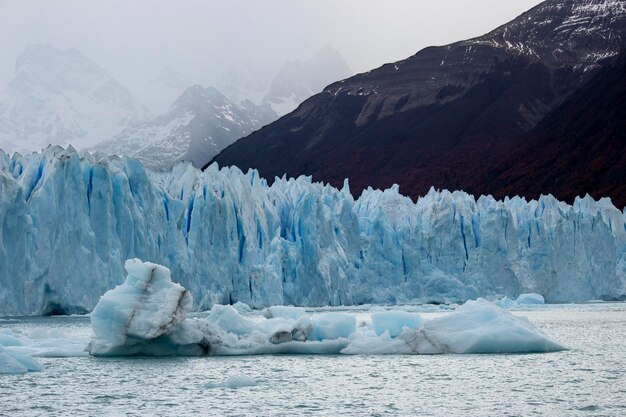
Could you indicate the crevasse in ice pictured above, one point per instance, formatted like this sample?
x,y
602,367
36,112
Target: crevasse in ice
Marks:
x,y
69,221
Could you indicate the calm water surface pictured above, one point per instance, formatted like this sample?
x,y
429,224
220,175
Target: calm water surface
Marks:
x,y
588,380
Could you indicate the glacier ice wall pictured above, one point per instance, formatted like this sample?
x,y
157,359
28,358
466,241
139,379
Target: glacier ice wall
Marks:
x,y
69,221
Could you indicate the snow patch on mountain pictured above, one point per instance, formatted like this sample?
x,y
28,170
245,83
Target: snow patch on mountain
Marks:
x,y
197,126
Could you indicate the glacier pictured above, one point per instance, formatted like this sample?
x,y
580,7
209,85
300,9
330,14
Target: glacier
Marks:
x,y
147,315
69,221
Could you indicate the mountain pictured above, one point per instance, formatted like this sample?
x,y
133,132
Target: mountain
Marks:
x,y
159,93
435,118
197,126
68,223
299,80
243,81
578,148
62,97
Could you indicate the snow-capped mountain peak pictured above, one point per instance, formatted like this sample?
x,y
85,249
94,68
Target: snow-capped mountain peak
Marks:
x,y
61,97
299,80
198,125
564,32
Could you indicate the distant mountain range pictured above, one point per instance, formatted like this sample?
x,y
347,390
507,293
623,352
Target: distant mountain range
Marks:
x,y
299,80
447,114
160,92
62,97
199,124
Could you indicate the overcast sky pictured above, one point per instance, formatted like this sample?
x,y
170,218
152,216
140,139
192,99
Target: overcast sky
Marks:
x,y
134,39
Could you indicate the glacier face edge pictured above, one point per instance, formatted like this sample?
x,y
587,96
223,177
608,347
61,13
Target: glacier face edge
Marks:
x,y
69,221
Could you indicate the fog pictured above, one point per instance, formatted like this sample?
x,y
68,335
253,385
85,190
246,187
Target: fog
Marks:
x,y
134,40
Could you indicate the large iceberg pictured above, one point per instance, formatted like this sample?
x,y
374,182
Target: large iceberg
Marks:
x,y
147,316
68,222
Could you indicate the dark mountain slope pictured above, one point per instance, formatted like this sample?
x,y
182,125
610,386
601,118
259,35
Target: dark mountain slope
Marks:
x,y
439,116
578,148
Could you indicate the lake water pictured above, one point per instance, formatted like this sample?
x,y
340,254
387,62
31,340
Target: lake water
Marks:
x,y
587,380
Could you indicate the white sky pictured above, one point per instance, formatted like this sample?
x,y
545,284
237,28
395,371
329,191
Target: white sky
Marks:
x,y
134,39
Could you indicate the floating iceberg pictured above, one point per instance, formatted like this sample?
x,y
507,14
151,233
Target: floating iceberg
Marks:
x,y
19,349
42,343
523,301
531,299
12,362
475,327
147,315
68,222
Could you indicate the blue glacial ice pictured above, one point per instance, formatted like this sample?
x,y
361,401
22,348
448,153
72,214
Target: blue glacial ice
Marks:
x,y
69,221
395,322
147,315
523,301
478,326
19,350
530,299
12,362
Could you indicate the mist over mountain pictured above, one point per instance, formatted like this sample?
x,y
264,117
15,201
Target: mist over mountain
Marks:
x,y
197,126
161,91
299,80
62,97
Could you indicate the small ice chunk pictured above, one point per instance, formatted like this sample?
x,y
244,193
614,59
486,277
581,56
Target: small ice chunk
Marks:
x,y
233,381
16,363
229,320
242,308
531,299
395,321
287,312
332,326
505,302
43,343
9,340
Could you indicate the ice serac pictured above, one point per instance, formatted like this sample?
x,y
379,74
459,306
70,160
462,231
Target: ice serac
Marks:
x,y
68,222
147,316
